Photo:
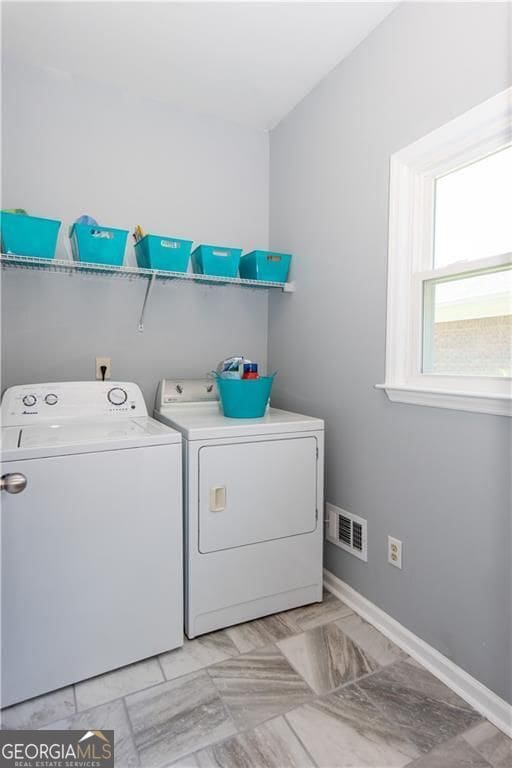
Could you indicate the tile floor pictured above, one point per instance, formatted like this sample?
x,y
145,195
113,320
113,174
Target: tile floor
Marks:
x,y
315,687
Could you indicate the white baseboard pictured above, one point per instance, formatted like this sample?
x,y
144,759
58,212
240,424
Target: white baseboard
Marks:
x,y
491,706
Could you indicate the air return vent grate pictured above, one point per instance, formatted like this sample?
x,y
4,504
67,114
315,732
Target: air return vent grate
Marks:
x,y
347,531
344,529
357,536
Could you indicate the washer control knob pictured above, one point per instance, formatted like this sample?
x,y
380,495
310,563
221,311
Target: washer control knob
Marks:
x,y
51,399
29,400
117,396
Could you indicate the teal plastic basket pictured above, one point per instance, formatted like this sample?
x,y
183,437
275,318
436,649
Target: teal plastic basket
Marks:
x,y
216,260
163,253
29,235
265,265
98,245
245,398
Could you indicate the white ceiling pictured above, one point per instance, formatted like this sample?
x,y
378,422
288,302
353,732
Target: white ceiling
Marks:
x,y
250,62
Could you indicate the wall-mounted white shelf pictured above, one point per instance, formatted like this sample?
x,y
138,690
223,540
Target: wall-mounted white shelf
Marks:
x,y
71,267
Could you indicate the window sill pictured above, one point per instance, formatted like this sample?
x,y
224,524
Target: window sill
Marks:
x,y
497,405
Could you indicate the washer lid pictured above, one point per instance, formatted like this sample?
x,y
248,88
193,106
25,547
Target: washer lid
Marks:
x,y
68,433
73,436
205,421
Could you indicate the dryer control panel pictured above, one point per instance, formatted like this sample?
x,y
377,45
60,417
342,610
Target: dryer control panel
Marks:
x,y
33,403
186,391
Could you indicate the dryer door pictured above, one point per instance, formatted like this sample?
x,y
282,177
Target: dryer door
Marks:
x,y
257,491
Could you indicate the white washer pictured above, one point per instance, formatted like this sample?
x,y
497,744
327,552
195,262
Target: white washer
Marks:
x,y
253,500
91,534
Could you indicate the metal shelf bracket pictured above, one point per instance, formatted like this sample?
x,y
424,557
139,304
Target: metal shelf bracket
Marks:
x,y
149,288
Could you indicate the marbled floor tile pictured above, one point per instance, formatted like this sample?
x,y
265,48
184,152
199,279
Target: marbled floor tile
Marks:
x,y
111,716
258,685
417,676
315,614
261,632
370,640
326,658
35,713
176,718
429,712
346,729
119,682
271,745
454,754
198,653
492,744
185,762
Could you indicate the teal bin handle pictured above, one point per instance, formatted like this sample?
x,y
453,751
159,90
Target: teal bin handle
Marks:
x,y
216,375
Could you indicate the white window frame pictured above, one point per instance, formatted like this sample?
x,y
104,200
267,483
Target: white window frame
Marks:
x,y
413,171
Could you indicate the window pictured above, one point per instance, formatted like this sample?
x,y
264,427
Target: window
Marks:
x,y
449,331
467,325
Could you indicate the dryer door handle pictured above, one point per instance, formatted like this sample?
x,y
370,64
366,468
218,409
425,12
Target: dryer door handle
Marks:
x,y
218,498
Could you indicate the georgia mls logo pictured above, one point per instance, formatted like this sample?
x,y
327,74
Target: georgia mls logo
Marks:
x,y
90,734
57,749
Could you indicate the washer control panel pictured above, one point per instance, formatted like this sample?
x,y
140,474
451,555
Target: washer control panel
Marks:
x,y
32,403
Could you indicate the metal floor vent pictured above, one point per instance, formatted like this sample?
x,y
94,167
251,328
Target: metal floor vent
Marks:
x,y
347,531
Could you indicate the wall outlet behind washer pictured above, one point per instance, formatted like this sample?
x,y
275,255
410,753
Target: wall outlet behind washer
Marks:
x,y
103,361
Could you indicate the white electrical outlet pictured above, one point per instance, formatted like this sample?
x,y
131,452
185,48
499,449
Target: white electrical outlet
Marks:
x,y
103,361
394,552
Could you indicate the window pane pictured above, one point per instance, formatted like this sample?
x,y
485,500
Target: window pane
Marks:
x,y
473,211
467,326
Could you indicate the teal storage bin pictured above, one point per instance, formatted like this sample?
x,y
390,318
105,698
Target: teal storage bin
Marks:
x,y
163,253
216,260
245,398
265,265
98,245
29,235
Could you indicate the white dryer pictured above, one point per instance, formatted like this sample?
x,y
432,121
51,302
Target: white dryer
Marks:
x,y
91,534
253,500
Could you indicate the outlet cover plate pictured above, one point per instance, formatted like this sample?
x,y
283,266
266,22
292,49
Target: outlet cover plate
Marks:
x,y
395,552
107,361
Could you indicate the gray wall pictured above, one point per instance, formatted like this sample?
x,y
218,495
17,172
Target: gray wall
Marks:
x,y
72,146
437,479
